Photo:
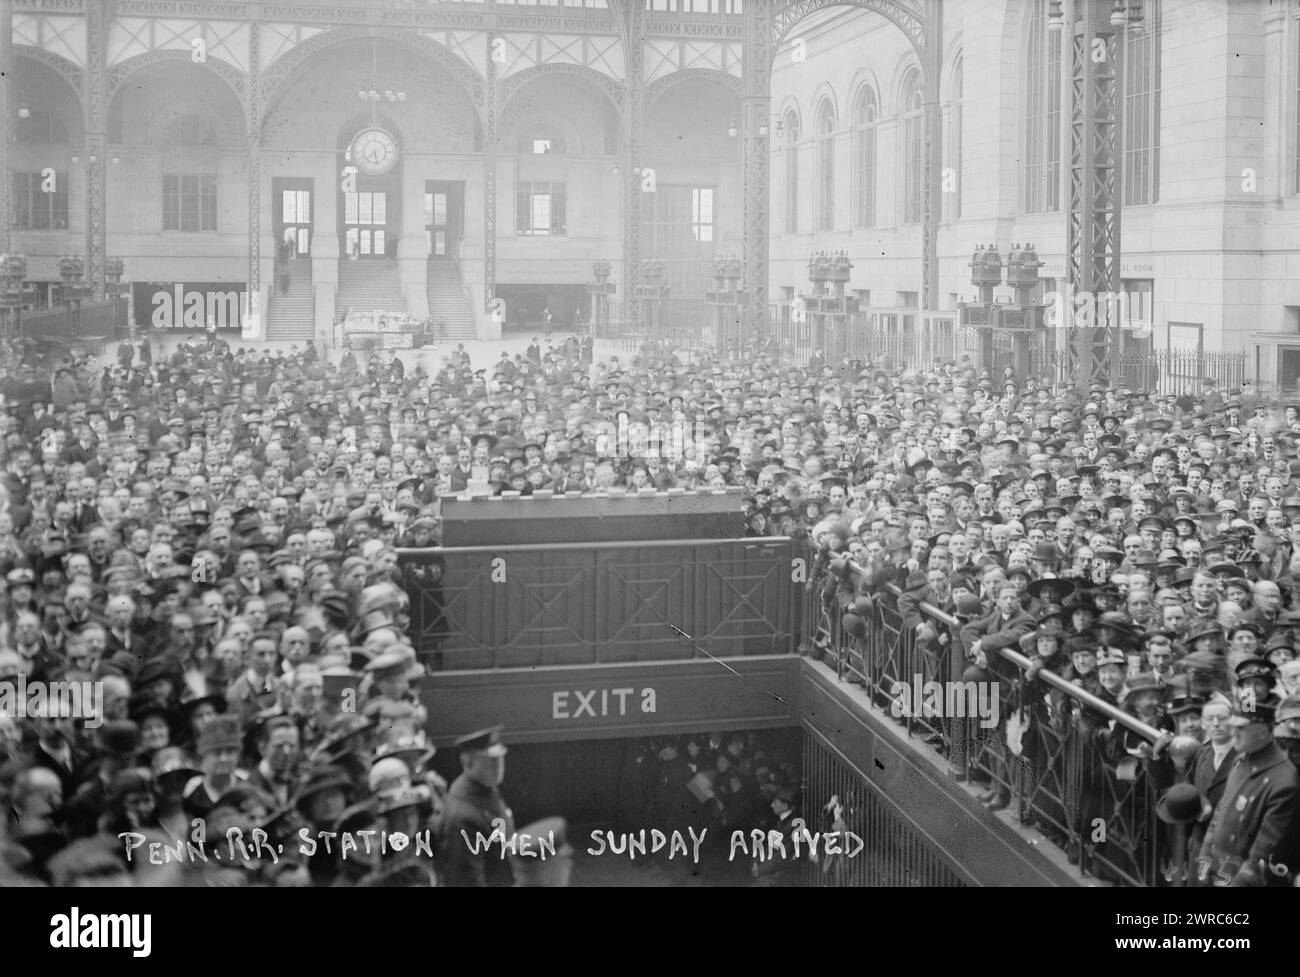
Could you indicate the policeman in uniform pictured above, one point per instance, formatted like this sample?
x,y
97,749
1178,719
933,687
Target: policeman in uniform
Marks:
x,y
473,803
1252,838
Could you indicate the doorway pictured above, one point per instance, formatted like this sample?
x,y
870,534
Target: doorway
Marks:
x,y
1289,372
293,214
444,215
365,223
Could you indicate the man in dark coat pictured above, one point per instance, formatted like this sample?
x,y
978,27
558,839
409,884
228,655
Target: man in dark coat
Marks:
x,y
475,807
1253,833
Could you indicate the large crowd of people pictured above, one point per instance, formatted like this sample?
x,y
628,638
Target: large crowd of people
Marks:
x,y
211,536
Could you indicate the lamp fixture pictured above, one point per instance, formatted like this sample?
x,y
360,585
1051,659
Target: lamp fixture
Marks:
x,y
24,112
731,128
372,94
1118,15
762,129
1055,16
1136,17
76,158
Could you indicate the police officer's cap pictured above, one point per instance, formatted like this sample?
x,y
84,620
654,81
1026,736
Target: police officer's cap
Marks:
x,y
485,740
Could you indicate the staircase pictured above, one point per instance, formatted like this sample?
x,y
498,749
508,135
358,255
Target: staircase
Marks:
x,y
447,302
292,314
366,285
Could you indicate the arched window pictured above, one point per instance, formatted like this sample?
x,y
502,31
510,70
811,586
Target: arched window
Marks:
x,y
951,177
1141,79
791,172
1042,155
865,112
911,109
826,166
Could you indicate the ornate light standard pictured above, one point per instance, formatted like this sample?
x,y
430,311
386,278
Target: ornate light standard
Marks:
x,y
74,288
600,290
729,301
653,293
13,272
1019,319
830,309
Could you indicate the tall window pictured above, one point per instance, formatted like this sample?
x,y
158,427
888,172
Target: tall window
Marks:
x,y
1042,155
951,178
826,166
791,172
539,209
702,213
912,111
1142,109
189,202
865,112
39,209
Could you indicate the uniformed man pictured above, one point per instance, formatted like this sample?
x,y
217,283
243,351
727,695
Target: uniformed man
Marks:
x,y
474,802
1251,840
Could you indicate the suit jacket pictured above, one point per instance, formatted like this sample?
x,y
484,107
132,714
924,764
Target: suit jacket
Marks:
x,y
1255,820
1209,779
995,633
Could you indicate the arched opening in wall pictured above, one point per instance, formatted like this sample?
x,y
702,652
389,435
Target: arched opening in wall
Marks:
x,y
180,129
695,214
561,137
47,172
362,129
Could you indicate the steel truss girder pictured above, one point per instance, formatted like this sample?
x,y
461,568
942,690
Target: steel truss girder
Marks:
x,y
760,43
98,18
1092,230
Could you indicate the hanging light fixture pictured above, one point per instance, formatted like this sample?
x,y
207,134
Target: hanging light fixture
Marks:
x,y
731,128
1118,15
762,129
23,111
780,126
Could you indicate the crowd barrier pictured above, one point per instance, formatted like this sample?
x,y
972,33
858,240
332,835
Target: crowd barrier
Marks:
x,y
1045,751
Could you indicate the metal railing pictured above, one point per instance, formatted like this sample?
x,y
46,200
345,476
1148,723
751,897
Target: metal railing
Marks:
x,y
595,603
1052,751
1162,371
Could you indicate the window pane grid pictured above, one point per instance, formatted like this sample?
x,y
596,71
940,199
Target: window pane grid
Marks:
x,y
1141,80
32,208
1042,115
189,202
539,209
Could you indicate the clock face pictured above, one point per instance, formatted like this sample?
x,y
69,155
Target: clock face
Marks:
x,y
374,152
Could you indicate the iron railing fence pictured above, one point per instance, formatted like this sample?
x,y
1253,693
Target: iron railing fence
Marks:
x,y
1046,750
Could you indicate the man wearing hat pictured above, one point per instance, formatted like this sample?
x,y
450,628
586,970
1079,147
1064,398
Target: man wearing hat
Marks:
x,y
474,803
1254,830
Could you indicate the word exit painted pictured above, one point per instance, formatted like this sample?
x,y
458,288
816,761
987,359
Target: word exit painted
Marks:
x,y
595,703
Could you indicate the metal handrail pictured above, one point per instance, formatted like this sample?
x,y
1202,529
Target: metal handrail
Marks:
x,y
1076,692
